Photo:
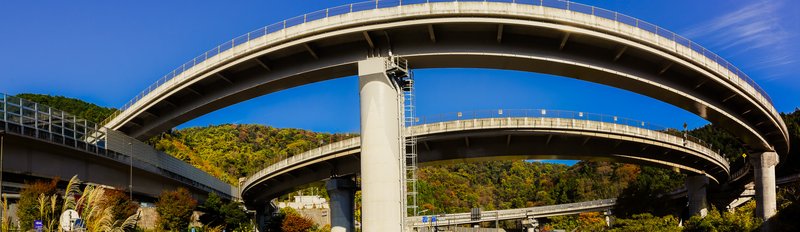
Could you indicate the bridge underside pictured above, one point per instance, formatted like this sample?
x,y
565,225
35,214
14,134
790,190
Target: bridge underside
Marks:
x,y
492,145
32,159
471,42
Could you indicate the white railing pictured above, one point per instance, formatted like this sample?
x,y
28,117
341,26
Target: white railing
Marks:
x,y
596,17
28,118
283,162
539,118
507,214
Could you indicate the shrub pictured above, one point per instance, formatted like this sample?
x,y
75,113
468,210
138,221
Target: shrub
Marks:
x,y
28,208
294,222
175,209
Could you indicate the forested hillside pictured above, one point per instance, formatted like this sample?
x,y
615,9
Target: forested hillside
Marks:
x,y
73,106
516,184
232,151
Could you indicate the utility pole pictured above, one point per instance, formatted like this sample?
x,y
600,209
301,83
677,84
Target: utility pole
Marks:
x,y
2,142
130,174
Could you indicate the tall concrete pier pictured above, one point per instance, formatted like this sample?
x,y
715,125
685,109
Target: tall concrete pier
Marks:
x,y
342,191
764,169
381,202
697,187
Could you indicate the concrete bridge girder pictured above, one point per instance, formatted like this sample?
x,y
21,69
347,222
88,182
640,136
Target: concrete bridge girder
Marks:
x,y
491,144
467,35
339,47
35,158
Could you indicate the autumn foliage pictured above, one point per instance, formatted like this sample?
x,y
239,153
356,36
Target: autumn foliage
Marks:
x,y
28,205
175,209
294,222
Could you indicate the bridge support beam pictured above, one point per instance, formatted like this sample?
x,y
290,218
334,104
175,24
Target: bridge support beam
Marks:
x,y
381,202
263,215
697,186
342,192
764,168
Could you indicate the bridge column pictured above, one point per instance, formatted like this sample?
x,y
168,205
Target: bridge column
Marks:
x,y
764,168
342,192
263,215
381,202
696,186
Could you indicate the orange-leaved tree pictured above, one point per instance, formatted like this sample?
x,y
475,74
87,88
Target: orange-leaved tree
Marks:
x,y
175,209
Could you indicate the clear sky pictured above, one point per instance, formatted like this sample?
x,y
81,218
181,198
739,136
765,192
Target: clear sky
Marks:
x,y
106,52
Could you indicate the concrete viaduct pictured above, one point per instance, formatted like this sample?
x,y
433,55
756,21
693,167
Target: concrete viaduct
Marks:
x,y
530,214
47,143
544,36
500,139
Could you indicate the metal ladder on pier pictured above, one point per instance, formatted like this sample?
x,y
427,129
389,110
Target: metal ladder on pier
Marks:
x,y
405,80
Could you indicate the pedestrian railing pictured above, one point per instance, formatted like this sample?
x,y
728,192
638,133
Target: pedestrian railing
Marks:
x,y
556,9
499,119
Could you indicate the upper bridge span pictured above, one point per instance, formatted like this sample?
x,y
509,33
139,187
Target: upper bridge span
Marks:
x,y
553,37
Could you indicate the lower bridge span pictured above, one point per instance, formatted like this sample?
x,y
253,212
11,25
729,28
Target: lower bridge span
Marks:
x,y
501,138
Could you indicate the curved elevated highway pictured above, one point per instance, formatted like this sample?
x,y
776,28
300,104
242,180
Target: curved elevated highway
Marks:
x,y
553,37
497,139
544,36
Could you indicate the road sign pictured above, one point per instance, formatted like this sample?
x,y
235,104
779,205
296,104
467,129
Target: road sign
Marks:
x,y
38,225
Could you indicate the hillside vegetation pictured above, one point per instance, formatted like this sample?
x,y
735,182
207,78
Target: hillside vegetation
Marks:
x,y
232,151
73,106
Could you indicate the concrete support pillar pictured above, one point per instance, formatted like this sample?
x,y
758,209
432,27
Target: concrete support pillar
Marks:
x,y
342,192
764,169
263,215
381,199
696,187
259,219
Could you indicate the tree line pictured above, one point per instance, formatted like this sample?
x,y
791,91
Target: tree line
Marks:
x,y
231,151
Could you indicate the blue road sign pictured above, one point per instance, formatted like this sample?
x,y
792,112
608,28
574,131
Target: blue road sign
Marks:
x,y
38,225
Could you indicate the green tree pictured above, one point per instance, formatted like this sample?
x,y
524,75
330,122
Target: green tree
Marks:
x,y
175,209
229,216
231,151
590,221
235,217
741,219
72,106
788,208
646,222
650,186
28,206
211,211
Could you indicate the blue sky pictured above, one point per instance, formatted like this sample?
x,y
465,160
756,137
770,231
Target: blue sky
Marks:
x,y
106,52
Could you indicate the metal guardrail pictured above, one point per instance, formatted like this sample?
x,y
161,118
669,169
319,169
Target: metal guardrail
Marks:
x,y
563,114
539,118
23,117
652,33
506,214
